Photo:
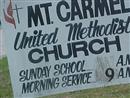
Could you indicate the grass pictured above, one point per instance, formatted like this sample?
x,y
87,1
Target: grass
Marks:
x,y
119,91
5,83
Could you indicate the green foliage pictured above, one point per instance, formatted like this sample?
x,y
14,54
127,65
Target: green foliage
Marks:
x,y
120,91
5,82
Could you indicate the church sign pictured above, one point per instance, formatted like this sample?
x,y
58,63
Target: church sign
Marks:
x,y
56,46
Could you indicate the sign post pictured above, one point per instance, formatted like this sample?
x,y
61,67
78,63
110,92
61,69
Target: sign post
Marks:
x,y
56,46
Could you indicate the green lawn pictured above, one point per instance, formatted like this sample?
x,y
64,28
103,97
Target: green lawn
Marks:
x,y
5,83
120,91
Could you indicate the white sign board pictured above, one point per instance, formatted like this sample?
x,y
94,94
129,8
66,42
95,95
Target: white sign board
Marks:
x,y
57,46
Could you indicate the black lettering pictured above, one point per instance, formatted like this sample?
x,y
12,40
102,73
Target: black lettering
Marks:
x,y
116,42
46,7
34,15
87,8
63,56
30,56
47,52
120,61
59,12
101,6
83,48
16,47
91,48
75,10
124,9
112,6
